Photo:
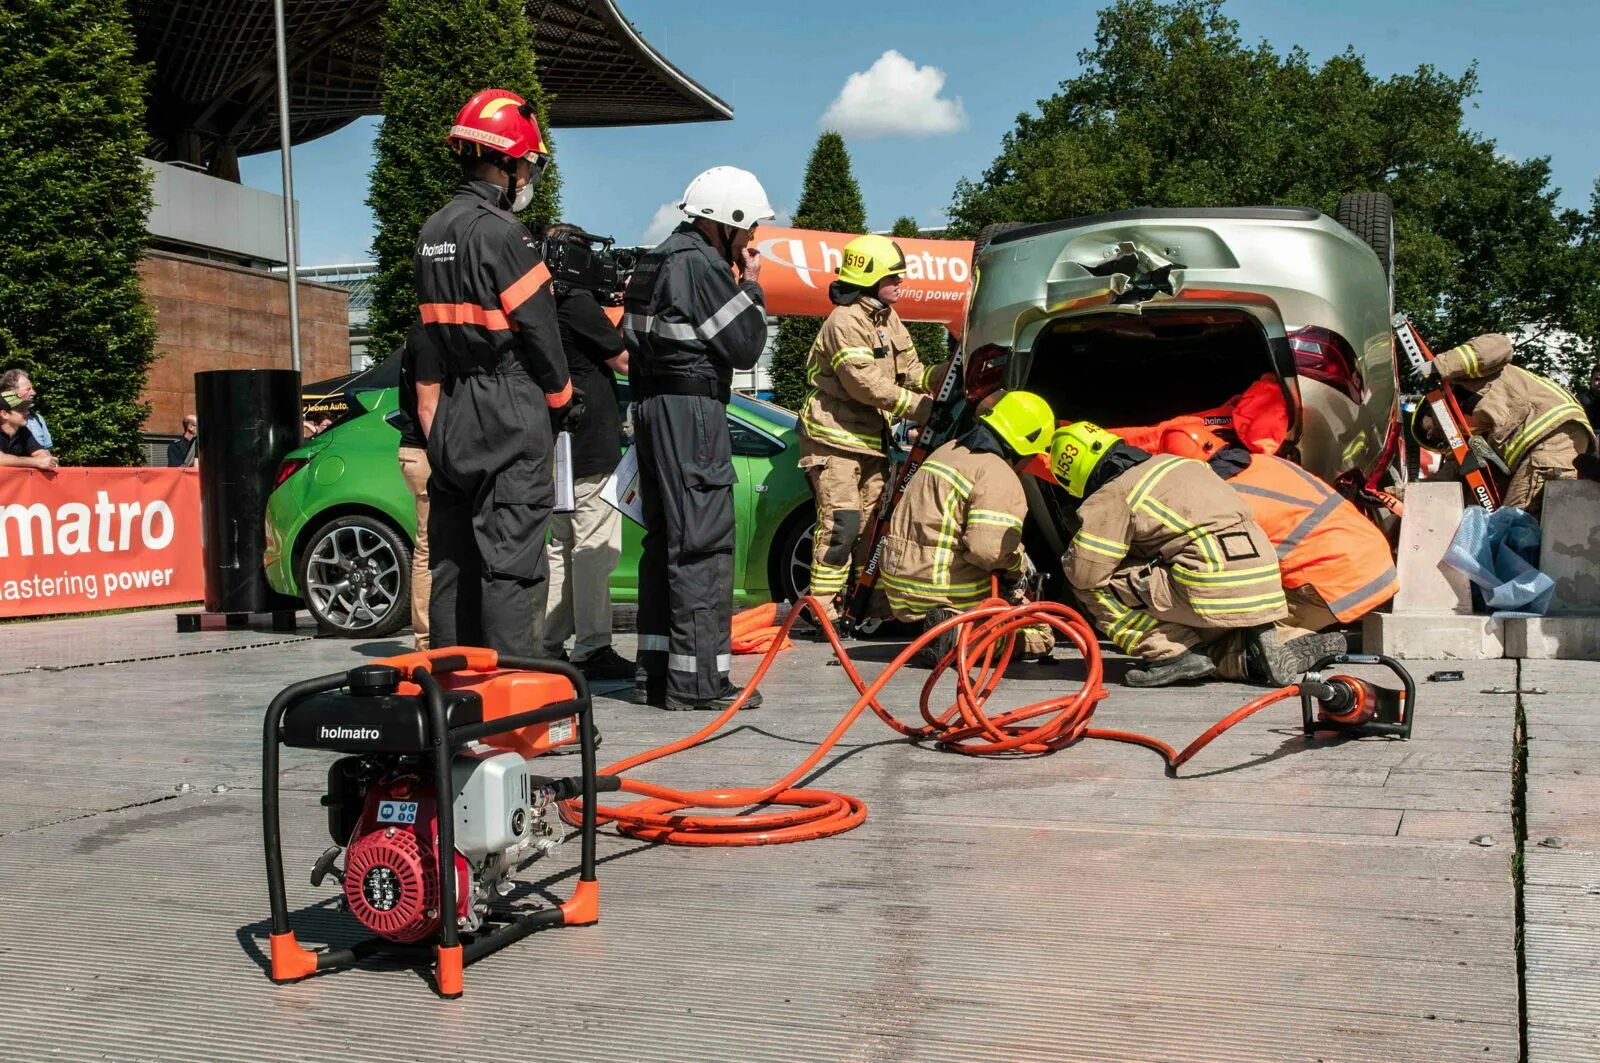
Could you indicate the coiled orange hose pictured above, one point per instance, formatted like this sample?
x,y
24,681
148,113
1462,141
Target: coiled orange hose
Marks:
x,y
985,641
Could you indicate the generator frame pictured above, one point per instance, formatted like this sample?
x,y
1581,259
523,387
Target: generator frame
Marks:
x,y
290,961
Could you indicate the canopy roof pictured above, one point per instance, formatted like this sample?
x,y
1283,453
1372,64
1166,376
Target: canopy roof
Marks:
x,y
213,84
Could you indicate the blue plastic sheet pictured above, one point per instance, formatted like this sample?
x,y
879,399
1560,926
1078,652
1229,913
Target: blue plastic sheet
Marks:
x,y
1499,553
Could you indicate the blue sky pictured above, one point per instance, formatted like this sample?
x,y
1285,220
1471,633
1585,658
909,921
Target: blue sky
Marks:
x,y
781,66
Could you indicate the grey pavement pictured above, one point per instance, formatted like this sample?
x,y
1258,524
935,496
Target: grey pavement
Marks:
x,y
1284,900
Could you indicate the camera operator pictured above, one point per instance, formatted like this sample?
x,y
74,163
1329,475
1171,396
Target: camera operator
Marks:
x,y
586,544
689,324
486,305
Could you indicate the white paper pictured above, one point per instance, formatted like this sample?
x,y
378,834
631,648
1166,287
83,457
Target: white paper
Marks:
x,y
566,493
621,492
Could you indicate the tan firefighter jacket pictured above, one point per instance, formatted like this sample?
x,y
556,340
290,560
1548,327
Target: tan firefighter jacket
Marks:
x,y
960,521
861,371
1516,408
1191,541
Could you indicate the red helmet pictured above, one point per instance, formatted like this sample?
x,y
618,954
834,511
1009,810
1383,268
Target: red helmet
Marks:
x,y
497,120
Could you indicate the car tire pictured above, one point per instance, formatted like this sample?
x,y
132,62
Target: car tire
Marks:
x,y
789,560
989,232
1370,215
355,577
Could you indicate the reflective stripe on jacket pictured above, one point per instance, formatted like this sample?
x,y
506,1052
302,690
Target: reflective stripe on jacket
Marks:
x,y
685,317
959,522
1516,408
862,370
1176,514
484,295
1323,541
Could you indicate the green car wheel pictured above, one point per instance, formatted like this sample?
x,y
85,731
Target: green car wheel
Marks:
x,y
356,574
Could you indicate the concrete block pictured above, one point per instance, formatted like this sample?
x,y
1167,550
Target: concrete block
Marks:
x,y
1569,550
1441,636
1558,638
1427,586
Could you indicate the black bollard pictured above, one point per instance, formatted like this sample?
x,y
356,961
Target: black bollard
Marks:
x,y
249,419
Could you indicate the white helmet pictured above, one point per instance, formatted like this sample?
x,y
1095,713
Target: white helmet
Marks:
x,y
728,195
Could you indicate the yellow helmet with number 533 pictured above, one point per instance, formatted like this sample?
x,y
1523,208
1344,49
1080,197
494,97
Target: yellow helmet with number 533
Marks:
x,y
1075,450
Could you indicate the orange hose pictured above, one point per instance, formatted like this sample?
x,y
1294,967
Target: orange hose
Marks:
x,y
985,641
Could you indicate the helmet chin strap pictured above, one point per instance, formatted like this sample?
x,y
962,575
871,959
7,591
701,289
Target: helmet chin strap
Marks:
x,y
725,234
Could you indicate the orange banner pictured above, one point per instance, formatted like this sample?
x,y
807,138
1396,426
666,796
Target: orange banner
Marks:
x,y
799,264
88,539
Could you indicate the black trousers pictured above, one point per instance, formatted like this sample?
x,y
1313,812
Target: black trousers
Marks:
x,y
491,491
686,572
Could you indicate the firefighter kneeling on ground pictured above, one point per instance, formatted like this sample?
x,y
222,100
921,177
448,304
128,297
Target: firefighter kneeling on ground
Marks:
x,y
960,522
1533,424
1173,567
862,370
1335,563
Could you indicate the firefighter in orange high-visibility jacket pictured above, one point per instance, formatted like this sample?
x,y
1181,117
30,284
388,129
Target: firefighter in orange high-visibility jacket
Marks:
x,y
1173,566
1336,564
861,373
1536,427
960,522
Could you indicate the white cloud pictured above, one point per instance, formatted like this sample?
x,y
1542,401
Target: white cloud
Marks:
x,y
666,219
895,97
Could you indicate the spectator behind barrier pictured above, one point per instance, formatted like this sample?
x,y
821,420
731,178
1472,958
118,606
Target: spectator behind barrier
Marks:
x,y
18,447
17,380
181,451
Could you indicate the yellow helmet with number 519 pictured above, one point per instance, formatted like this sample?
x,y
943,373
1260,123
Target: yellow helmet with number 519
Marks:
x,y
869,259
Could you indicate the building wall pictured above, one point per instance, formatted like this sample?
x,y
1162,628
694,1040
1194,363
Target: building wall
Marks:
x,y
210,315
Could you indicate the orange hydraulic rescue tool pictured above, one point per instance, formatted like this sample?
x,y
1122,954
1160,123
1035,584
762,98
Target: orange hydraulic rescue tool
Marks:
x,y
1472,453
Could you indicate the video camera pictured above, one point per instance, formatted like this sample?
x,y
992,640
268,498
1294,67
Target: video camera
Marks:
x,y
583,260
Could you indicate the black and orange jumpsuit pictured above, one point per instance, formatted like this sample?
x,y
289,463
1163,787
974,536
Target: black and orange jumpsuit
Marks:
x,y
485,300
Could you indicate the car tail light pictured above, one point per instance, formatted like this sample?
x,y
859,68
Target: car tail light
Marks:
x,y
986,370
288,468
1324,356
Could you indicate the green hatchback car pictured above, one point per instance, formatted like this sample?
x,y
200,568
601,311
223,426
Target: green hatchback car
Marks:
x,y
340,523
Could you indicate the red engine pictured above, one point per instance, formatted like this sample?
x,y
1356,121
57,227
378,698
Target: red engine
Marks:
x,y
391,877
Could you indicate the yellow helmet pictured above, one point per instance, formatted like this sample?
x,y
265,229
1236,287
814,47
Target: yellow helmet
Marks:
x,y
869,259
1074,452
1023,420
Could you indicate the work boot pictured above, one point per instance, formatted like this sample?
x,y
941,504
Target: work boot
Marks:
x,y
650,690
729,695
606,665
934,652
1272,661
1187,667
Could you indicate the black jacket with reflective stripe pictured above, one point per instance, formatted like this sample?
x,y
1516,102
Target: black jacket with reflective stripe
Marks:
x,y
684,315
484,292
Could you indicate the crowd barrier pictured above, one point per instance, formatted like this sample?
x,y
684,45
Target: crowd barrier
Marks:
x,y
81,539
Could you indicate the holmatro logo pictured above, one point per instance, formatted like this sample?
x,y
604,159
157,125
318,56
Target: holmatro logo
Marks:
x,y
358,734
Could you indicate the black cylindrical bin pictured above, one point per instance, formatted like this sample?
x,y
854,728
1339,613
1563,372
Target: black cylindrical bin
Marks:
x,y
249,419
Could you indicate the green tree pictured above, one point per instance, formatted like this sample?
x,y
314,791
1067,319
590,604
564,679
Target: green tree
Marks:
x,y
74,201
1172,108
437,53
930,337
830,200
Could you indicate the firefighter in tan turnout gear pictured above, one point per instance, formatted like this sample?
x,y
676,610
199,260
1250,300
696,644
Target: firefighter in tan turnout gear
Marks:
x,y
1169,561
862,372
1536,427
960,521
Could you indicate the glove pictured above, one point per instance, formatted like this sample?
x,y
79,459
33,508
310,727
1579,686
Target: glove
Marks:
x,y
568,417
1587,466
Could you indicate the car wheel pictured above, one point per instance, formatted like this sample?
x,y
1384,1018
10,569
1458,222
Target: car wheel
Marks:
x,y
989,232
355,577
789,562
1370,215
